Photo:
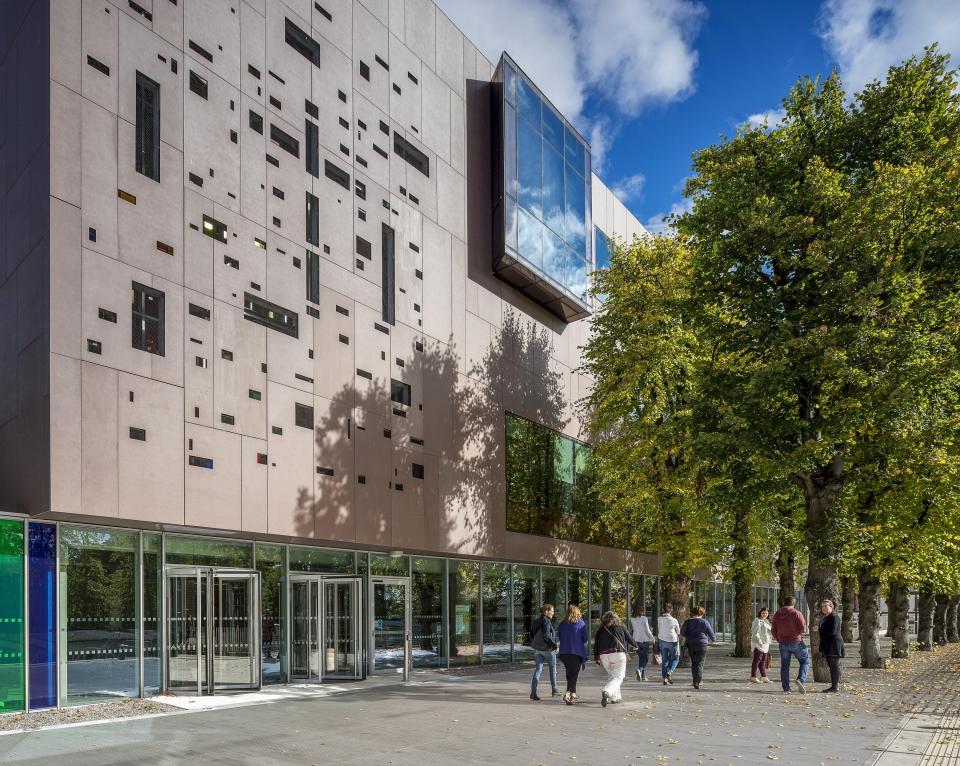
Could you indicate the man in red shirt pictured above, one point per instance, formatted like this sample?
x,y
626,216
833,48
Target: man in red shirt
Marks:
x,y
788,628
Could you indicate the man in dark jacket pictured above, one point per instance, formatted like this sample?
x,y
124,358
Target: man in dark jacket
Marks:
x,y
543,639
788,629
831,642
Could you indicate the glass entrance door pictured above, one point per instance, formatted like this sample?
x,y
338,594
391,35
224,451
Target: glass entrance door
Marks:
x,y
212,642
389,624
325,628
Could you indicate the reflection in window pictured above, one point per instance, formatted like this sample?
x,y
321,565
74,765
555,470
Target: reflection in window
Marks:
x,y
426,606
526,606
496,613
464,598
11,615
147,322
152,609
272,644
201,551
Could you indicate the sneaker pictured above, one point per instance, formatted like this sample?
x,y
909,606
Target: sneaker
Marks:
x,y
643,675
831,690
765,680
670,678
664,681
567,698
639,675
800,687
534,697
604,698
754,680
554,692
696,686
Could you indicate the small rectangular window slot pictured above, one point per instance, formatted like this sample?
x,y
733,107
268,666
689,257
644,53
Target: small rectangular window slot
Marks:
x,y
412,78
254,394
364,248
275,102
304,378
344,124
228,355
199,311
276,77
92,234
197,341
200,462
285,141
381,62
163,247
233,263
214,229
256,122
131,396
380,328
259,243
364,374
381,152
418,274
411,154
273,160
336,174
417,470
364,70
254,286
361,161
196,413
139,434
384,128
126,196
227,419
195,179
94,346
303,415
324,471
263,367
98,65
344,150
140,9
323,11
417,441
387,433
361,189
418,346
315,313
109,316
312,109
342,96
396,89
398,487
400,362
253,70
360,266
414,247
296,262
270,315
261,458
278,193
416,307
199,85
276,430
361,479
342,310
399,413
200,361
344,340
414,199
361,214
200,51
234,137
302,43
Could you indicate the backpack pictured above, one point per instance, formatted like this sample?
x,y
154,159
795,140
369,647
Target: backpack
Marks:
x,y
532,633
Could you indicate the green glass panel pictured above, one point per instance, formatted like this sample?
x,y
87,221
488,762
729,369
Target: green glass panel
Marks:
x,y
526,606
426,604
321,560
152,611
272,579
202,551
618,595
554,581
98,614
388,566
11,615
496,613
563,459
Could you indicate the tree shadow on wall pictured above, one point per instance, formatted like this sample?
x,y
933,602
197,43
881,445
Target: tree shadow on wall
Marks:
x,y
461,508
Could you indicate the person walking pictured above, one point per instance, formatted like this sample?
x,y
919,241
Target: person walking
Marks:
x,y
760,637
543,639
610,647
831,642
640,627
668,635
573,635
697,634
788,627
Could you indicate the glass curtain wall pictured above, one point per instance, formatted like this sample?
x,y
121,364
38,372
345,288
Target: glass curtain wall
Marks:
x,y
554,584
618,595
464,612
599,599
426,604
151,576
98,614
389,566
526,607
201,551
42,567
270,565
321,560
11,615
497,598
577,590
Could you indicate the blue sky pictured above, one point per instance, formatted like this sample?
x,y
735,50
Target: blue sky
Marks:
x,y
650,81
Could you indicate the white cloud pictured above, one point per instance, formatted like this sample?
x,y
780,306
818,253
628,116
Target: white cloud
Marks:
x,y
770,118
657,224
866,37
630,54
629,188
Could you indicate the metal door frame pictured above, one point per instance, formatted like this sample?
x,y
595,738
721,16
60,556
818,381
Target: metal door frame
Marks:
x,y
317,609
372,651
206,609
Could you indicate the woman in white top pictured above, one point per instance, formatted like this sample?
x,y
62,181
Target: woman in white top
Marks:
x,y
643,636
668,634
760,636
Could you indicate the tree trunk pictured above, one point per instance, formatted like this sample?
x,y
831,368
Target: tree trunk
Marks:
x,y
925,608
820,490
888,597
847,594
787,573
744,617
869,587
898,616
952,609
940,619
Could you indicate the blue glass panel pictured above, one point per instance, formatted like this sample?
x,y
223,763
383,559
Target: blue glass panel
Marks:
x,y
575,153
43,615
575,276
530,236
554,258
553,127
510,150
528,102
510,223
529,167
575,220
509,83
602,249
553,189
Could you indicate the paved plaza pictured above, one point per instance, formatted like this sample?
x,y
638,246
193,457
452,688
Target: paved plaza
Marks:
x,y
903,716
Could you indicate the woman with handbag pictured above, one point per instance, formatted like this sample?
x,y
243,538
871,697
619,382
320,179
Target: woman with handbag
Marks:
x,y
760,637
610,647
697,634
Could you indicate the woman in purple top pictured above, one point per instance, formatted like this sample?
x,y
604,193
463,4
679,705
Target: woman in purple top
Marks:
x,y
573,649
697,634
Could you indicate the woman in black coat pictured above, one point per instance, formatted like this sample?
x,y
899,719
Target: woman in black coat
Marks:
x,y
831,642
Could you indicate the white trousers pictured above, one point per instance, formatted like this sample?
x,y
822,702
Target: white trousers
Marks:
x,y
615,664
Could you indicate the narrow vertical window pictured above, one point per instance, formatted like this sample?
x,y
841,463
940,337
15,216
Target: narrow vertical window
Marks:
x,y
148,127
313,277
313,220
313,149
389,275
147,319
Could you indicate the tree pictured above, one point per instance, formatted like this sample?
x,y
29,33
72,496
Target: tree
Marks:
x,y
821,249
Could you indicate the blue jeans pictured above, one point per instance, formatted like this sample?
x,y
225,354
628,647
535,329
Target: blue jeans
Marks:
x,y
796,649
643,654
551,659
670,652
